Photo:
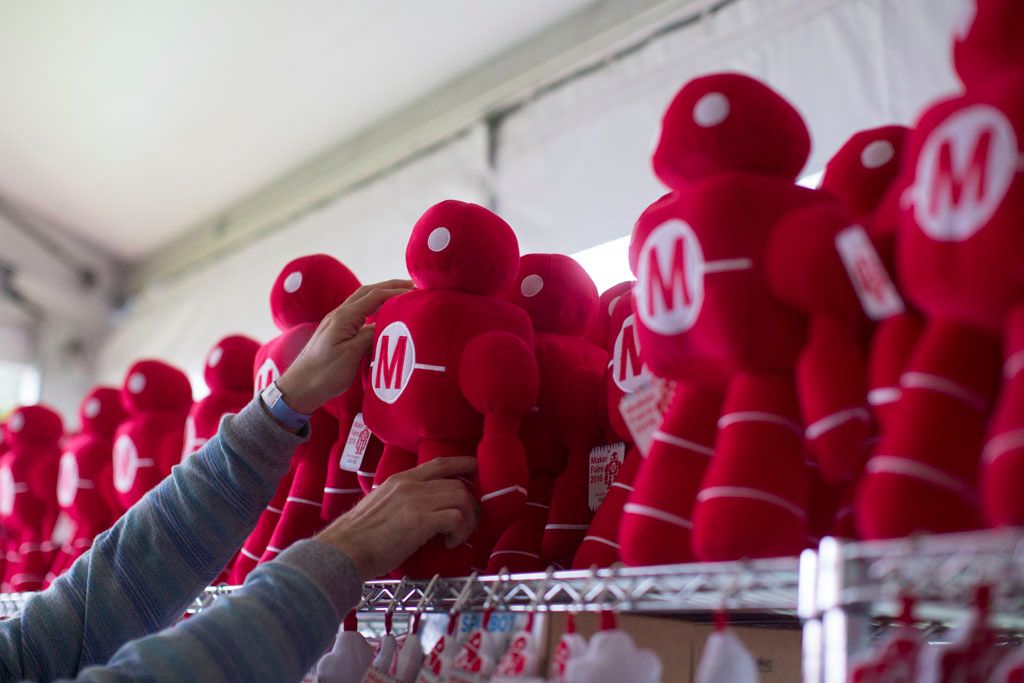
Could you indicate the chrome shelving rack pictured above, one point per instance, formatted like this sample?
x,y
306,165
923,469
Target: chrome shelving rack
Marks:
x,y
857,582
754,586
839,591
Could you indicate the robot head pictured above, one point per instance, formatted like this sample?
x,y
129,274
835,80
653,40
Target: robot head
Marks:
x,y
653,216
34,426
462,246
155,386
556,293
229,364
862,170
989,40
599,330
729,122
309,288
100,411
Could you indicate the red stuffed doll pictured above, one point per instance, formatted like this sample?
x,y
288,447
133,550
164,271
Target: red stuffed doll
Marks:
x,y
863,176
354,456
761,297
228,375
655,525
305,291
625,374
958,258
453,368
561,301
28,494
85,481
157,398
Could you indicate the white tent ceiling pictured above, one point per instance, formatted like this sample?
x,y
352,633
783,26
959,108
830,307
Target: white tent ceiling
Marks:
x,y
127,122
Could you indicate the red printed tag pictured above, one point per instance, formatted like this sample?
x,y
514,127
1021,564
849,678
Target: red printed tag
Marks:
x,y
643,410
355,445
605,462
877,293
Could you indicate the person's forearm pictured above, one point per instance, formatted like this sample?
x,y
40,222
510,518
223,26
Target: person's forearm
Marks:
x,y
273,629
142,573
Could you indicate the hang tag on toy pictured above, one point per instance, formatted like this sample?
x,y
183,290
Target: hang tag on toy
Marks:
x,y
612,657
438,661
409,660
63,530
570,646
605,462
521,662
892,660
1011,669
726,660
643,409
971,655
874,287
383,661
355,445
476,658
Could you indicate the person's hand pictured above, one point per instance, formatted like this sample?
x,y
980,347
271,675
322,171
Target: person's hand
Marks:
x,y
405,512
329,363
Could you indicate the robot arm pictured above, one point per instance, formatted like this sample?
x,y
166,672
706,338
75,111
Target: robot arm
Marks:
x,y
498,375
822,264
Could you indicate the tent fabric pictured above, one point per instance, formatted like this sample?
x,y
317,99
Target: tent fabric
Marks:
x,y
573,167
367,229
569,169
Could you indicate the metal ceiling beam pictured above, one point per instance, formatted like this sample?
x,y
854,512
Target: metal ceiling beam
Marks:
x,y
599,32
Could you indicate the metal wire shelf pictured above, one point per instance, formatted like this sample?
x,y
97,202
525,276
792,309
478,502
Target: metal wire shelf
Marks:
x,y
754,586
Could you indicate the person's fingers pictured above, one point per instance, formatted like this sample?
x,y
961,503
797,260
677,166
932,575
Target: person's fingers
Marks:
x,y
451,524
361,308
442,468
396,283
363,340
448,493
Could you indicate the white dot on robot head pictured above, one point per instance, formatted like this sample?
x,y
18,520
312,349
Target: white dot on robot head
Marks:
x,y
136,382
215,357
293,282
92,407
439,239
711,110
531,285
877,154
16,423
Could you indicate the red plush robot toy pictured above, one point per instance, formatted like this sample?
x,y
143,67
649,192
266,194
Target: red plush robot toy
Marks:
x,y
306,290
625,374
959,259
228,375
561,301
85,482
863,175
157,399
453,368
28,494
756,297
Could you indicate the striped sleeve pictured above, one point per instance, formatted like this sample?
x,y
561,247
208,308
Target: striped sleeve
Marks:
x,y
273,629
142,573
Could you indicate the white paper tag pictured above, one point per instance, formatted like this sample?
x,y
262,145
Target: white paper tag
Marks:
x,y
63,530
643,409
355,445
874,287
605,462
